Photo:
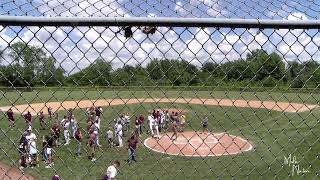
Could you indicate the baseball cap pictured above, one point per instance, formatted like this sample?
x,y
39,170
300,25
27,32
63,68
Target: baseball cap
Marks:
x,y
55,177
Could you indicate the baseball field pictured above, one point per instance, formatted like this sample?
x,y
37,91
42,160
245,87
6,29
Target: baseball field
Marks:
x,y
276,125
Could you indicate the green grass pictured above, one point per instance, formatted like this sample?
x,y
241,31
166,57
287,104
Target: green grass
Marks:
x,y
275,135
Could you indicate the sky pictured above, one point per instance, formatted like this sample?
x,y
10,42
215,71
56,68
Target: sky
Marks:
x,y
75,48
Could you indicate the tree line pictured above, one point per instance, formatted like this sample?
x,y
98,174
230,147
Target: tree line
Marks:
x,y
30,66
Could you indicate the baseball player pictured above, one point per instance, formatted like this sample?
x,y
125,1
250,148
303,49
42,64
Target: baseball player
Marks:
x,y
10,118
119,134
32,147
50,112
69,114
162,119
28,118
151,121
182,122
96,130
137,126
158,119
78,137
156,127
141,122
92,144
55,177
174,130
55,131
49,151
167,119
132,146
126,118
63,120
22,148
42,120
112,171
98,112
73,126
205,122
66,132
109,135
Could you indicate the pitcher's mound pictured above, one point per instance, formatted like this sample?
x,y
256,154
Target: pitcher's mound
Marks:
x,y
199,144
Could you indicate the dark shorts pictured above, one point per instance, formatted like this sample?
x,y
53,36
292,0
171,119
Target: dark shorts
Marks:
x,y
22,151
204,125
92,144
33,156
11,119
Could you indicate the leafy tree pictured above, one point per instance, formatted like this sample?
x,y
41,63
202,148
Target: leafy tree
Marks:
x,y
97,73
34,66
264,65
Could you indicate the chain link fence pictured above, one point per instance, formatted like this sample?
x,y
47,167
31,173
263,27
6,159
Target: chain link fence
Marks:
x,y
159,89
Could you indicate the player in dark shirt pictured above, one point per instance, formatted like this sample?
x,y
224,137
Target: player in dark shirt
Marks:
x,y
55,129
50,112
41,119
10,118
141,122
78,137
28,118
22,148
132,146
92,143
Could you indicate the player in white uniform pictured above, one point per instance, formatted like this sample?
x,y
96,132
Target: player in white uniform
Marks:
x,y
96,130
66,132
109,136
99,112
151,121
73,126
31,139
156,127
119,134
63,121
126,118
112,171
162,119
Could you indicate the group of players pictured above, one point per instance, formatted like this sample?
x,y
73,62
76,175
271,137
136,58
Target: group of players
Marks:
x,y
157,120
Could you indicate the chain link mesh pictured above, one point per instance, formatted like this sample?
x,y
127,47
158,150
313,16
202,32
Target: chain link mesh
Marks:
x,y
242,101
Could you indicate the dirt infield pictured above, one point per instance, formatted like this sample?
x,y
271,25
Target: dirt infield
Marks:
x,y
196,144
10,173
57,106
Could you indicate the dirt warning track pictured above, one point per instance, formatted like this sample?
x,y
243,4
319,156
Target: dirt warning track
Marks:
x,y
57,106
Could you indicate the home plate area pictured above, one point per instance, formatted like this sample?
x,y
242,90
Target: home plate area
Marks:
x,y
199,144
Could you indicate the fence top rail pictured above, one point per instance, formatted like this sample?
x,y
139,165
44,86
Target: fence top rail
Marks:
x,y
159,21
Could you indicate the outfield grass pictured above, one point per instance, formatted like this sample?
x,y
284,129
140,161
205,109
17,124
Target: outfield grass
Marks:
x,y
275,135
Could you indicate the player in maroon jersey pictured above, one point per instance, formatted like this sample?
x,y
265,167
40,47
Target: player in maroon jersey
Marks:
x,y
28,118
42,120
50,112
10,118
55,131
92,143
